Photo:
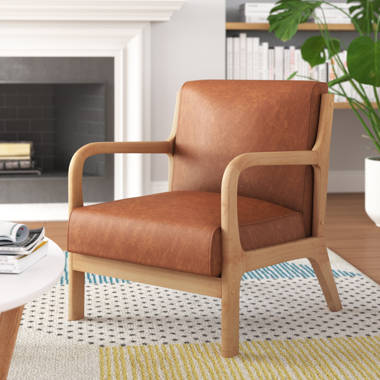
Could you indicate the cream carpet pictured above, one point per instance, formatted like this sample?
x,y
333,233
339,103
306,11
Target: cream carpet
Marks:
x,y
136,331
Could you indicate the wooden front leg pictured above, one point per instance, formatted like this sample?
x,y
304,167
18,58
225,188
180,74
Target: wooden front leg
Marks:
x,y
76,292
9,324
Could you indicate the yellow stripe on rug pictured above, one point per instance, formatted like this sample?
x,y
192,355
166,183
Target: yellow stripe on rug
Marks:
x,y
333,358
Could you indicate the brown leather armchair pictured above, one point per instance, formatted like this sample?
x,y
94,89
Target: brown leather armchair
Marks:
x,y
248,180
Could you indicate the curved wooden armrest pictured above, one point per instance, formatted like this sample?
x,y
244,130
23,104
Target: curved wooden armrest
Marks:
x,y
92,149
229,214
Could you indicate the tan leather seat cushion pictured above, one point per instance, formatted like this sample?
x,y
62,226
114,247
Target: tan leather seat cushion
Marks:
x,y
177,230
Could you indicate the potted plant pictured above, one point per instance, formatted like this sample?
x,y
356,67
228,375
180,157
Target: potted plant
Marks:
x,y
362,69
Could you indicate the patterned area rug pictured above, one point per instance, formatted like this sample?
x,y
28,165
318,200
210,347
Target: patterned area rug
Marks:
x,y
136,331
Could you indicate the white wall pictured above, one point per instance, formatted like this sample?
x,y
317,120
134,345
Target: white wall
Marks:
x,y
190,46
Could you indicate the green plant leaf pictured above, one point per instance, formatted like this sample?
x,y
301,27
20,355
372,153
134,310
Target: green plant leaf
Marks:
x,y
314,49
285,17
365,13
342,79
363,60
292,75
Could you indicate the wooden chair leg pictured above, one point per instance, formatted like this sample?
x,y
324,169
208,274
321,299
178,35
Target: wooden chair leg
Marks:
x,y
9,324
230,317
322,269
76,293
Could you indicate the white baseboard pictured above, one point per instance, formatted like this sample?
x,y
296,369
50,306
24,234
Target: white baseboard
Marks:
x,y
159,186
346,181
340,181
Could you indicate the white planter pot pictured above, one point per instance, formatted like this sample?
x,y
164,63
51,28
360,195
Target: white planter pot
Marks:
x,y
372,188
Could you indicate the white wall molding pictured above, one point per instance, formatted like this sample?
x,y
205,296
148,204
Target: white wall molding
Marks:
x,y
159,187
108,28
339,182
35,212
126,44
89,10
343,181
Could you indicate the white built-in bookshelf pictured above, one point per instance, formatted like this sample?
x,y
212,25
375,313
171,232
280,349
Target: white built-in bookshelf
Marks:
x,y
249,58
308,26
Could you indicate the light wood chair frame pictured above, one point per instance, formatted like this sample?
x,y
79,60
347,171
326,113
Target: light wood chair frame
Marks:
x,y
236,261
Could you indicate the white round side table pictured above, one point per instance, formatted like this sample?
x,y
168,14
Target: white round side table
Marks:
x,y
18,289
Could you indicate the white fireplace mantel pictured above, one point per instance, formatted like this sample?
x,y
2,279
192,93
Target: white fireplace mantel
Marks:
x,y
95,28
89,10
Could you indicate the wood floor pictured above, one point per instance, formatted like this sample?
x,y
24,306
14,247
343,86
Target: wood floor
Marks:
x,y
349,232
352,235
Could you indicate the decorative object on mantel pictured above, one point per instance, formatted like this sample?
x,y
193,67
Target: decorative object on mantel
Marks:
x,y
352,78
16,157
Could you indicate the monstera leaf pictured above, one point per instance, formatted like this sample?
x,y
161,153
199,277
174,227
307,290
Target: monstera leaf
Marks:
x,y
363,60
365,13
285,17
314,50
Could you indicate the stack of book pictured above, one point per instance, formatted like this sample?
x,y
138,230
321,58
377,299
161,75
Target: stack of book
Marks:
x,y
16,157
331,15
256,12
247,58
20,247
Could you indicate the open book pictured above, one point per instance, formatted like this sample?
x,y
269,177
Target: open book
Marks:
x,y
11,244
13,233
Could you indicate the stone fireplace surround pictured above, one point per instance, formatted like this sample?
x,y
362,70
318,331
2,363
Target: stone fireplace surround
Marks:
x,y
119,29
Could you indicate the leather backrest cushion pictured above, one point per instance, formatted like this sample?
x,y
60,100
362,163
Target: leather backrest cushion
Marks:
x,y
220,119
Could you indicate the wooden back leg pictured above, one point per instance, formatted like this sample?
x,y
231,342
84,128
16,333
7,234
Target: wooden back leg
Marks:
x,y
76,292
322,269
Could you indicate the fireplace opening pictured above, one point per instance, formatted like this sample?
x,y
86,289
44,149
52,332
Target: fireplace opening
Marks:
x,y
56,119
55,105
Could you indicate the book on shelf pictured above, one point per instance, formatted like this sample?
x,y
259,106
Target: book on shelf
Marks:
x,y
247,58
16,157
15,149
332,15
243,55
19,247
255,52
10,158
250,58
15,164
279,63
236,60
270,69
256,12
230,58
